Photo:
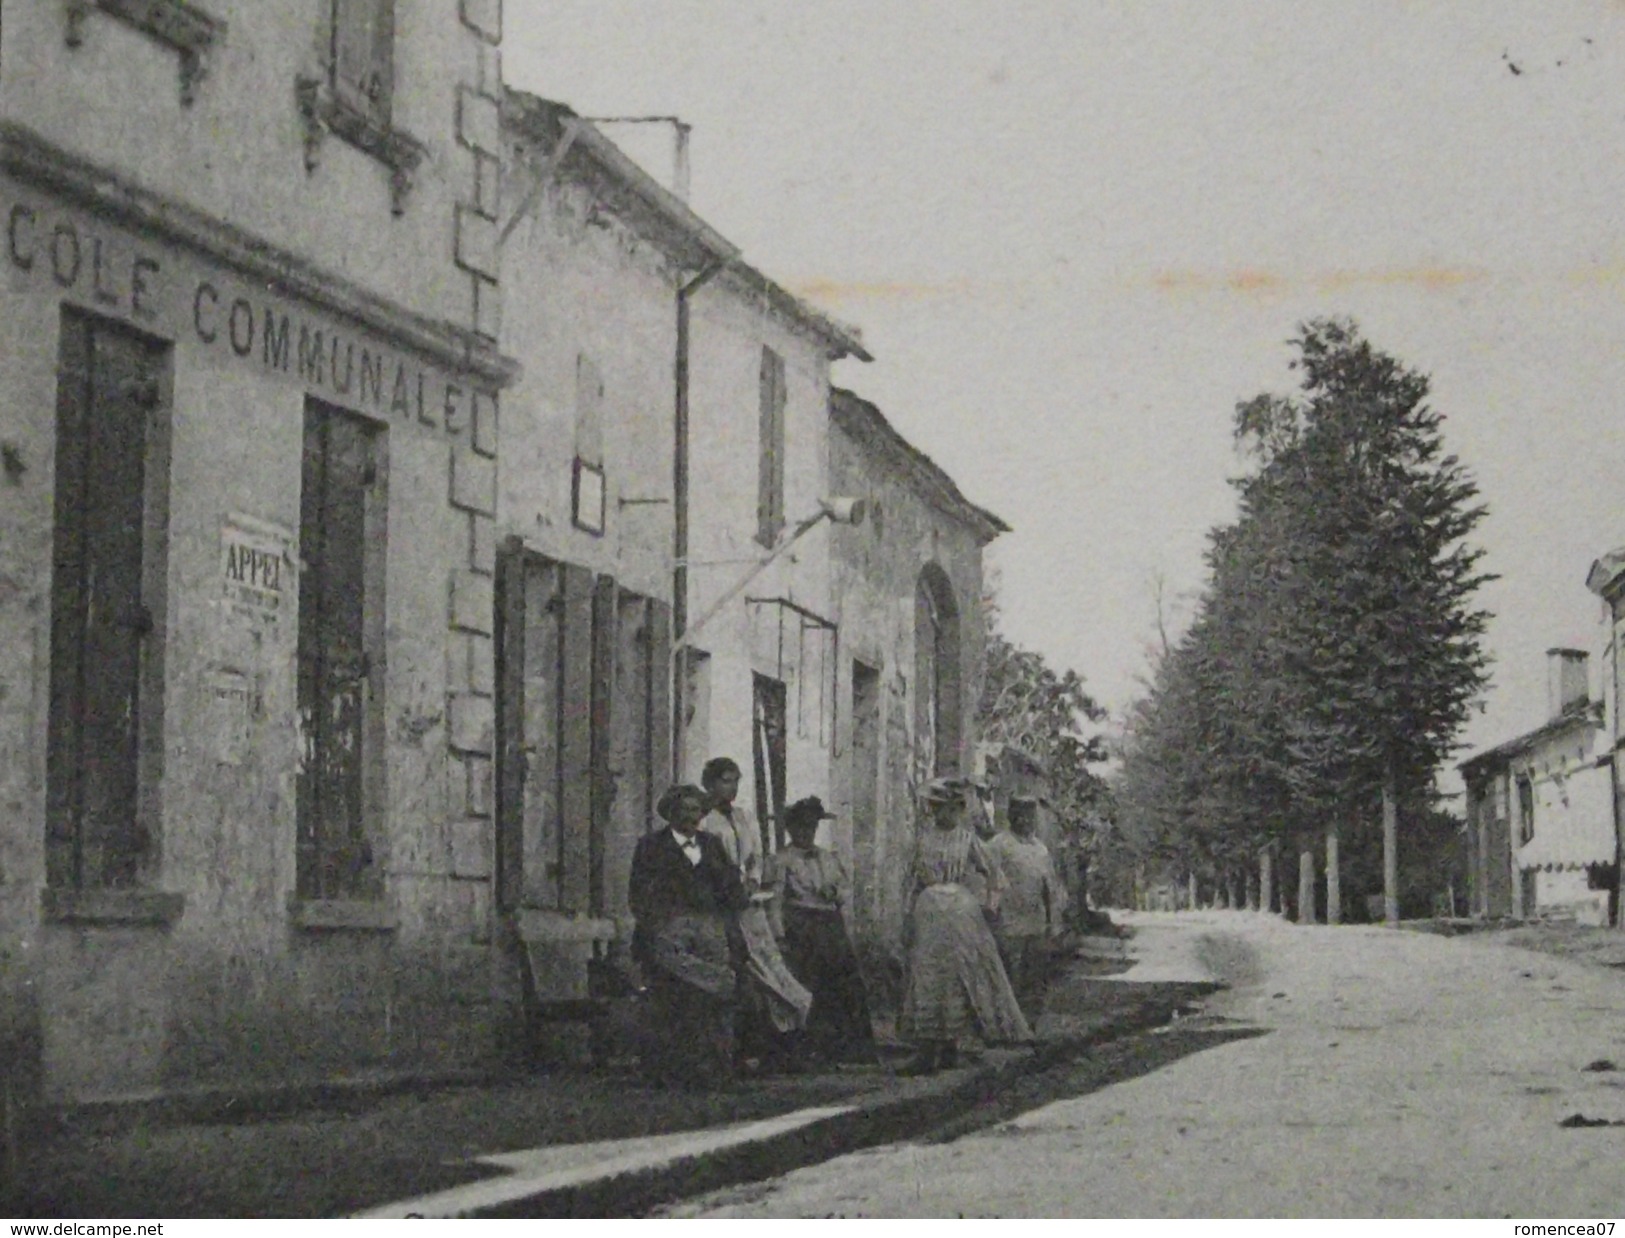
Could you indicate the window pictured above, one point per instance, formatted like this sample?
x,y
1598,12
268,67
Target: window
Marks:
x,y
937,702
769,754
362,56
770,469
105,749
341,535
355,98
1526,811
587,478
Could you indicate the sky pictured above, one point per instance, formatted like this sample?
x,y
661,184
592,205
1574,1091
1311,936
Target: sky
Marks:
x,y
1074,235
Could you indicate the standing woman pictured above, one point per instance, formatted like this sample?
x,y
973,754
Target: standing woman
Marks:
x,y
684,892
772,1005
812,888
955,977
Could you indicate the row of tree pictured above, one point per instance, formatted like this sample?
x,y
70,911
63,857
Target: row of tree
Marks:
x,y
1336,649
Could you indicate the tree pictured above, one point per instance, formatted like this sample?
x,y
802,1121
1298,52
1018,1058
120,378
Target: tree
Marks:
x,y
1337,650
1380,649
1028,704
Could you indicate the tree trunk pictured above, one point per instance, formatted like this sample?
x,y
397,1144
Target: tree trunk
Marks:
x,y
1390,850
1193,891
1252,890
1334,885
1232,894
1266,881
1306,886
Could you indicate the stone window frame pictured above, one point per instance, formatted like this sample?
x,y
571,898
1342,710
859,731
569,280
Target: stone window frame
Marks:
x,y
588,477
325,108
188,29
362,900
67,897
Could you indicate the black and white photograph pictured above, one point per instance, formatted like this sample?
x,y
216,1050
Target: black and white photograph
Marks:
x,y
676,609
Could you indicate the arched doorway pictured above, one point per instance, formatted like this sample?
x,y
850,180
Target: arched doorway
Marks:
x,y
938,699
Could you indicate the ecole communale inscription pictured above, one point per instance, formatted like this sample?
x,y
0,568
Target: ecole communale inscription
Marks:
x,y
111,272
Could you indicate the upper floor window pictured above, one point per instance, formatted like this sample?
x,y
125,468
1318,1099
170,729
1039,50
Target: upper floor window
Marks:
x,y
354,97
770,466
1526,810
362,55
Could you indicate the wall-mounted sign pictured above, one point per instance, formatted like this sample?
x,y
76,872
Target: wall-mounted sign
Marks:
x,y
256,567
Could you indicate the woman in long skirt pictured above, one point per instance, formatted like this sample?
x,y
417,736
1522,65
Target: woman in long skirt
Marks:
x,y
811,887
955,977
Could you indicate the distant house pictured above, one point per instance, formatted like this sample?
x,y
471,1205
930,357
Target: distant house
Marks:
x,y
1540,825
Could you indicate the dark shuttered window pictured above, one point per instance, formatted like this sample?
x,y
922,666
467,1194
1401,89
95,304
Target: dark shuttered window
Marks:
x,y
770,468
363,55
340,541
105,726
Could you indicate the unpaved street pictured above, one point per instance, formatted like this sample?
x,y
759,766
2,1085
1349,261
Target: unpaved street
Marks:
x,y
1398,1074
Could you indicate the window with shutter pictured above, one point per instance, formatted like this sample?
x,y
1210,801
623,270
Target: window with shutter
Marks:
x,y
353,98
340,505
105,727
363,54
770,467
587,491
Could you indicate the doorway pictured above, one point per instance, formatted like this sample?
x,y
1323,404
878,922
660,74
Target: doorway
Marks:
x,y
865,786
769,754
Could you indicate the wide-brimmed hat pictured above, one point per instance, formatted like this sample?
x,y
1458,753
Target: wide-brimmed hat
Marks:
x,y
943,791
673,795
808,811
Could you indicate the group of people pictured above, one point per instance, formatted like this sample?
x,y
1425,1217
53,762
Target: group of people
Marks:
x,y
746,955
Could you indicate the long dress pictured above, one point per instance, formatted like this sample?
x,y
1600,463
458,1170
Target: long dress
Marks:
x,y
682,910
955,977
811,884
773,990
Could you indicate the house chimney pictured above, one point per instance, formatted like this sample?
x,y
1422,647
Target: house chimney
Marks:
x,y
1567,681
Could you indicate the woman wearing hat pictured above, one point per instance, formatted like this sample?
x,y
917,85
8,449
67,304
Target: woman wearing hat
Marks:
x,y
955,978
811,886
683,892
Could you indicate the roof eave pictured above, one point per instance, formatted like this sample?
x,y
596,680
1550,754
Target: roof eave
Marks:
x,y
848,408
544,120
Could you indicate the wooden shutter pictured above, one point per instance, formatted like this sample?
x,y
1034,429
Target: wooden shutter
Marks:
x,y
605,617
334,669
660,706
363,55
589,412
108,388
575,738
770,465
509,639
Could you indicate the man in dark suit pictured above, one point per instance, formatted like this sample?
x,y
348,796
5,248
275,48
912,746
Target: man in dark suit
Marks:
x,y
683,893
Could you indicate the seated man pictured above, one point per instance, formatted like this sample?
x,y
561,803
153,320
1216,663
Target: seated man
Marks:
x,y
684,894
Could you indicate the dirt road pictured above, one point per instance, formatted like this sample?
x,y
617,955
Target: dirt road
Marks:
x,y
1396,1074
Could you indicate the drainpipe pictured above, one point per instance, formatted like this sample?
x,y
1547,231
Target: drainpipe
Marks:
x,y
679,537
